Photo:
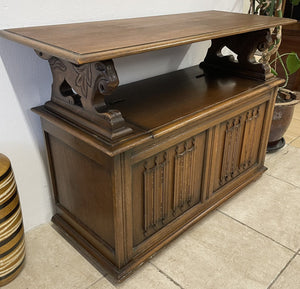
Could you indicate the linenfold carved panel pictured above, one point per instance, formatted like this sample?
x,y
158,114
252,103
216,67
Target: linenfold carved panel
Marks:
x,y
167,184
240,147
230,154
172,181
183,176
155,193
247,154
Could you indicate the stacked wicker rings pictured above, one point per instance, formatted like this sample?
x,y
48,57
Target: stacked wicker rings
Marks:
x,y
12,246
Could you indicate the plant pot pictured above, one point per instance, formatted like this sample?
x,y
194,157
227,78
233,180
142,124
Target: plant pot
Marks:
x,y
282,117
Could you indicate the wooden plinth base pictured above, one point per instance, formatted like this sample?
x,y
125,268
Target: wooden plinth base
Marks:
x,y
96,258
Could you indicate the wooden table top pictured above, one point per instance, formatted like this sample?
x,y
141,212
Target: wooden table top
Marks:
x,y
94,41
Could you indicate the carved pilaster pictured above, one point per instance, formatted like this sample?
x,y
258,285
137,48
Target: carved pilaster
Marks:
x,y
244,45
79,94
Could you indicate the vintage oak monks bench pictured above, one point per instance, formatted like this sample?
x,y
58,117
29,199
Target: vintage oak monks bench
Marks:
x,y
134,166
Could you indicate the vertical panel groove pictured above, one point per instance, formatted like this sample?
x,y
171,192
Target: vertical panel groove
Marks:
x,y
158,198
247,154
183,175
231,147
155,194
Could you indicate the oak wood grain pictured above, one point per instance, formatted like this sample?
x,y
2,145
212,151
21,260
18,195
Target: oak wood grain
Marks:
x,y
93,41
156,106
122,202
197,138
152,103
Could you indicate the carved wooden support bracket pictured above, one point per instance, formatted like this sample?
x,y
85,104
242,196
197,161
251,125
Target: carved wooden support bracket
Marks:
x,y
79,94
244,45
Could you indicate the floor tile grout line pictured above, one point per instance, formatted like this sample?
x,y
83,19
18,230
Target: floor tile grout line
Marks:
x,y
283,269
166,275
291,143
255,230
267,173
96,281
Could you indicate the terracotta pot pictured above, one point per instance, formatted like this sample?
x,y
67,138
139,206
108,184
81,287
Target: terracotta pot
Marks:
x,y
282,117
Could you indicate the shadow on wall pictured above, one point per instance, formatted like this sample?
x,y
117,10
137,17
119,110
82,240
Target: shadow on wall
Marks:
x,y
30,78
145,65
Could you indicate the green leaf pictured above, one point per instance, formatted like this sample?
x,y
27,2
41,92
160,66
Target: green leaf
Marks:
x,y
292,62
295,2
274,71
271,8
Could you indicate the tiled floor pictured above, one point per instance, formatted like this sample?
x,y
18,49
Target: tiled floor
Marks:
x,y
252,241
292,136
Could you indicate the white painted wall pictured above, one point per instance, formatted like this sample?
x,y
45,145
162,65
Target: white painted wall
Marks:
x,y
25,79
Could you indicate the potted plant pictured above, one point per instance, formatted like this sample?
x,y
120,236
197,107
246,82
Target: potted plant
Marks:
x,y
290,62
285,101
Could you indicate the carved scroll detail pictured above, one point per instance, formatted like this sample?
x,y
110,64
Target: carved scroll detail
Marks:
x,y
183,184
247,154
78,94
83,79
244,45
155,193
57,64
230,167
80,84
